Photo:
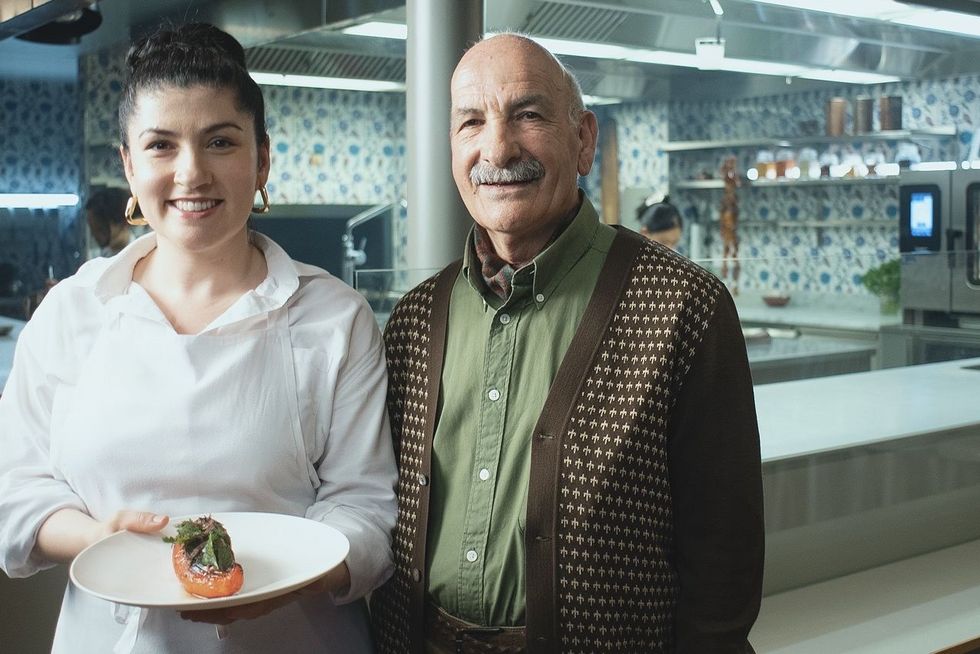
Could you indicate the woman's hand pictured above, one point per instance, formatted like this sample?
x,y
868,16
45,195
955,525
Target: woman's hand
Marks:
x,y
337,580
68,531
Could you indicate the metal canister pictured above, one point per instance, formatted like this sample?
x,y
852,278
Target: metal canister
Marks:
x,y
863,107
836,116
890,112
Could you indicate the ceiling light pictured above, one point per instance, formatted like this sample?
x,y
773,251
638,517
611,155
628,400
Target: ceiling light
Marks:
x,y
848,76
313,82
37,200
892,12
378,29
594,100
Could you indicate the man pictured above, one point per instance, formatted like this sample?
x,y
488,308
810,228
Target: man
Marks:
x,y
572,409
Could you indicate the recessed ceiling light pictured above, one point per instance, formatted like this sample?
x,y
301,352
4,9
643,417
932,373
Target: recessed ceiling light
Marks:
x,y
37,200
315,82
378,29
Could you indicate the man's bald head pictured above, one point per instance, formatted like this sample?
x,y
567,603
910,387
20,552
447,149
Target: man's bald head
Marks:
x,y
515,40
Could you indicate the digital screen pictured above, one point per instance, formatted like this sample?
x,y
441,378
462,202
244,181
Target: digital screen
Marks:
x,y
920,214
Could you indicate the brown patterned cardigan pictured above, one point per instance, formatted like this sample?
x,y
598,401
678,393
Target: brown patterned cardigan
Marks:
x,y
644,507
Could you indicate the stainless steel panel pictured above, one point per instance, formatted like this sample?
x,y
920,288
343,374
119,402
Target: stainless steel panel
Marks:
x,y
965,221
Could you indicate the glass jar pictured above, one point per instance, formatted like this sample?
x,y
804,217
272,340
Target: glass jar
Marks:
x,y
765,164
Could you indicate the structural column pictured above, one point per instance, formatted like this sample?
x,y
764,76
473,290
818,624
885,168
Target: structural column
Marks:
x,y
439,31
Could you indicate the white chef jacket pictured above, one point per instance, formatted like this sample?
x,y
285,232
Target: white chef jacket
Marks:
x,y
278,406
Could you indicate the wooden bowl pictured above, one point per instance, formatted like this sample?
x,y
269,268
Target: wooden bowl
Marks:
x,y
776,300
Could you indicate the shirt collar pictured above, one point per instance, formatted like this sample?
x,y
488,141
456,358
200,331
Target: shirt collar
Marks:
x,y
281,281
550,266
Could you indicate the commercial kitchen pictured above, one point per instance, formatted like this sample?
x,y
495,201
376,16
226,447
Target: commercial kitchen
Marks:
x,y
847,134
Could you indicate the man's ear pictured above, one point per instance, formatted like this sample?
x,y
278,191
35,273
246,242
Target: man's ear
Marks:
x,y
588,134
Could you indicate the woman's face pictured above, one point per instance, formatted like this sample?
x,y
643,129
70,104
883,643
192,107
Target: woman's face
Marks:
x,y
193,162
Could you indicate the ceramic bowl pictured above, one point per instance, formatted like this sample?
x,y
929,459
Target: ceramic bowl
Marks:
x,y
775,300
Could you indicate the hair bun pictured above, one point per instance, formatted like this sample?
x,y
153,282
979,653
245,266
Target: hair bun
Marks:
x,y
184,41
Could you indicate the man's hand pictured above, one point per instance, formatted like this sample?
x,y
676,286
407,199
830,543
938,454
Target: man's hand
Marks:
x,y
337,580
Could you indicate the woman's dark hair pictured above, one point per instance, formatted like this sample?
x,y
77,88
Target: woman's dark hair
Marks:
x,y
659,217
108,205
193,54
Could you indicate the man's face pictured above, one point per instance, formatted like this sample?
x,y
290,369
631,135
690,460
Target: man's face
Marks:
x,y
511,131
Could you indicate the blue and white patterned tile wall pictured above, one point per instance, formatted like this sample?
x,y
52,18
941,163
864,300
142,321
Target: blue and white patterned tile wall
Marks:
x,y
813,258
335,147
40,152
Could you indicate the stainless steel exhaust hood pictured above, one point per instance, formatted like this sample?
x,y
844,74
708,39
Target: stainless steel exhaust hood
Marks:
x,y
306,38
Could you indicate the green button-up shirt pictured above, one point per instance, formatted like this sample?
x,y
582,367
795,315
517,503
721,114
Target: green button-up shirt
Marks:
x,y
501,357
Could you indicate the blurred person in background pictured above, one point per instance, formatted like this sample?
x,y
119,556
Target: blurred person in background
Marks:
x,y
661,222
105,213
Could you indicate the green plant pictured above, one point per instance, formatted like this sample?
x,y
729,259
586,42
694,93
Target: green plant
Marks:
x,y
884,281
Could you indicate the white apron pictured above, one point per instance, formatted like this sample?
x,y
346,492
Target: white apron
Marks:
x,y
198,448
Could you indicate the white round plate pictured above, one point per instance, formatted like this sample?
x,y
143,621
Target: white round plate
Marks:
x,y
278,553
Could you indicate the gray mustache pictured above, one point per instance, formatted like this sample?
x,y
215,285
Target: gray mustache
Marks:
x,y
526,170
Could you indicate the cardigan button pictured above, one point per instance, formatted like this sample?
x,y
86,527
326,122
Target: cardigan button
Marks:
x,y
423,480
416,574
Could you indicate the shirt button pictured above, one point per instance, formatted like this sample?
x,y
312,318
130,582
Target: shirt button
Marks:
x,y
504,318
484,474
494,395
539,297
471,556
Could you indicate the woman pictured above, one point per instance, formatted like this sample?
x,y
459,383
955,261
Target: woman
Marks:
x,y
661,222
250,382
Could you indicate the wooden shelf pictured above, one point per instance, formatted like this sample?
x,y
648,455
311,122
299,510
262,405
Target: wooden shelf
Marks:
x,y
818,224
942,131
706,184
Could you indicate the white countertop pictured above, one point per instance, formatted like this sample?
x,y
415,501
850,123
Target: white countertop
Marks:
x,y
803,347
7,344
808,416
914,606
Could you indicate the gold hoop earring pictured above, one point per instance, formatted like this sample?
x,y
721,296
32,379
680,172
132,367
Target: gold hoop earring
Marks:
x,y
265,202
131,205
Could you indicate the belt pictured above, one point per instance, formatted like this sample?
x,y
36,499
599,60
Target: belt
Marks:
x,y
451,634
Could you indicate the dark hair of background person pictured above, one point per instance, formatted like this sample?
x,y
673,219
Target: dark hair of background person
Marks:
x,y
193,54
659,217
108,205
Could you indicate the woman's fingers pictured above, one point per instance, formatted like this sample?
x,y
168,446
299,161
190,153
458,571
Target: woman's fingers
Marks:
x,y
144,522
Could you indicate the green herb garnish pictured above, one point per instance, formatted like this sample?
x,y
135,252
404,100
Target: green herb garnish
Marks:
x,y
206,543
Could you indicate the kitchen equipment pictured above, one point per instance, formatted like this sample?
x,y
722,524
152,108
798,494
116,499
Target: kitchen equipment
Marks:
x,y
863,107
939,238
836,116
890,112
